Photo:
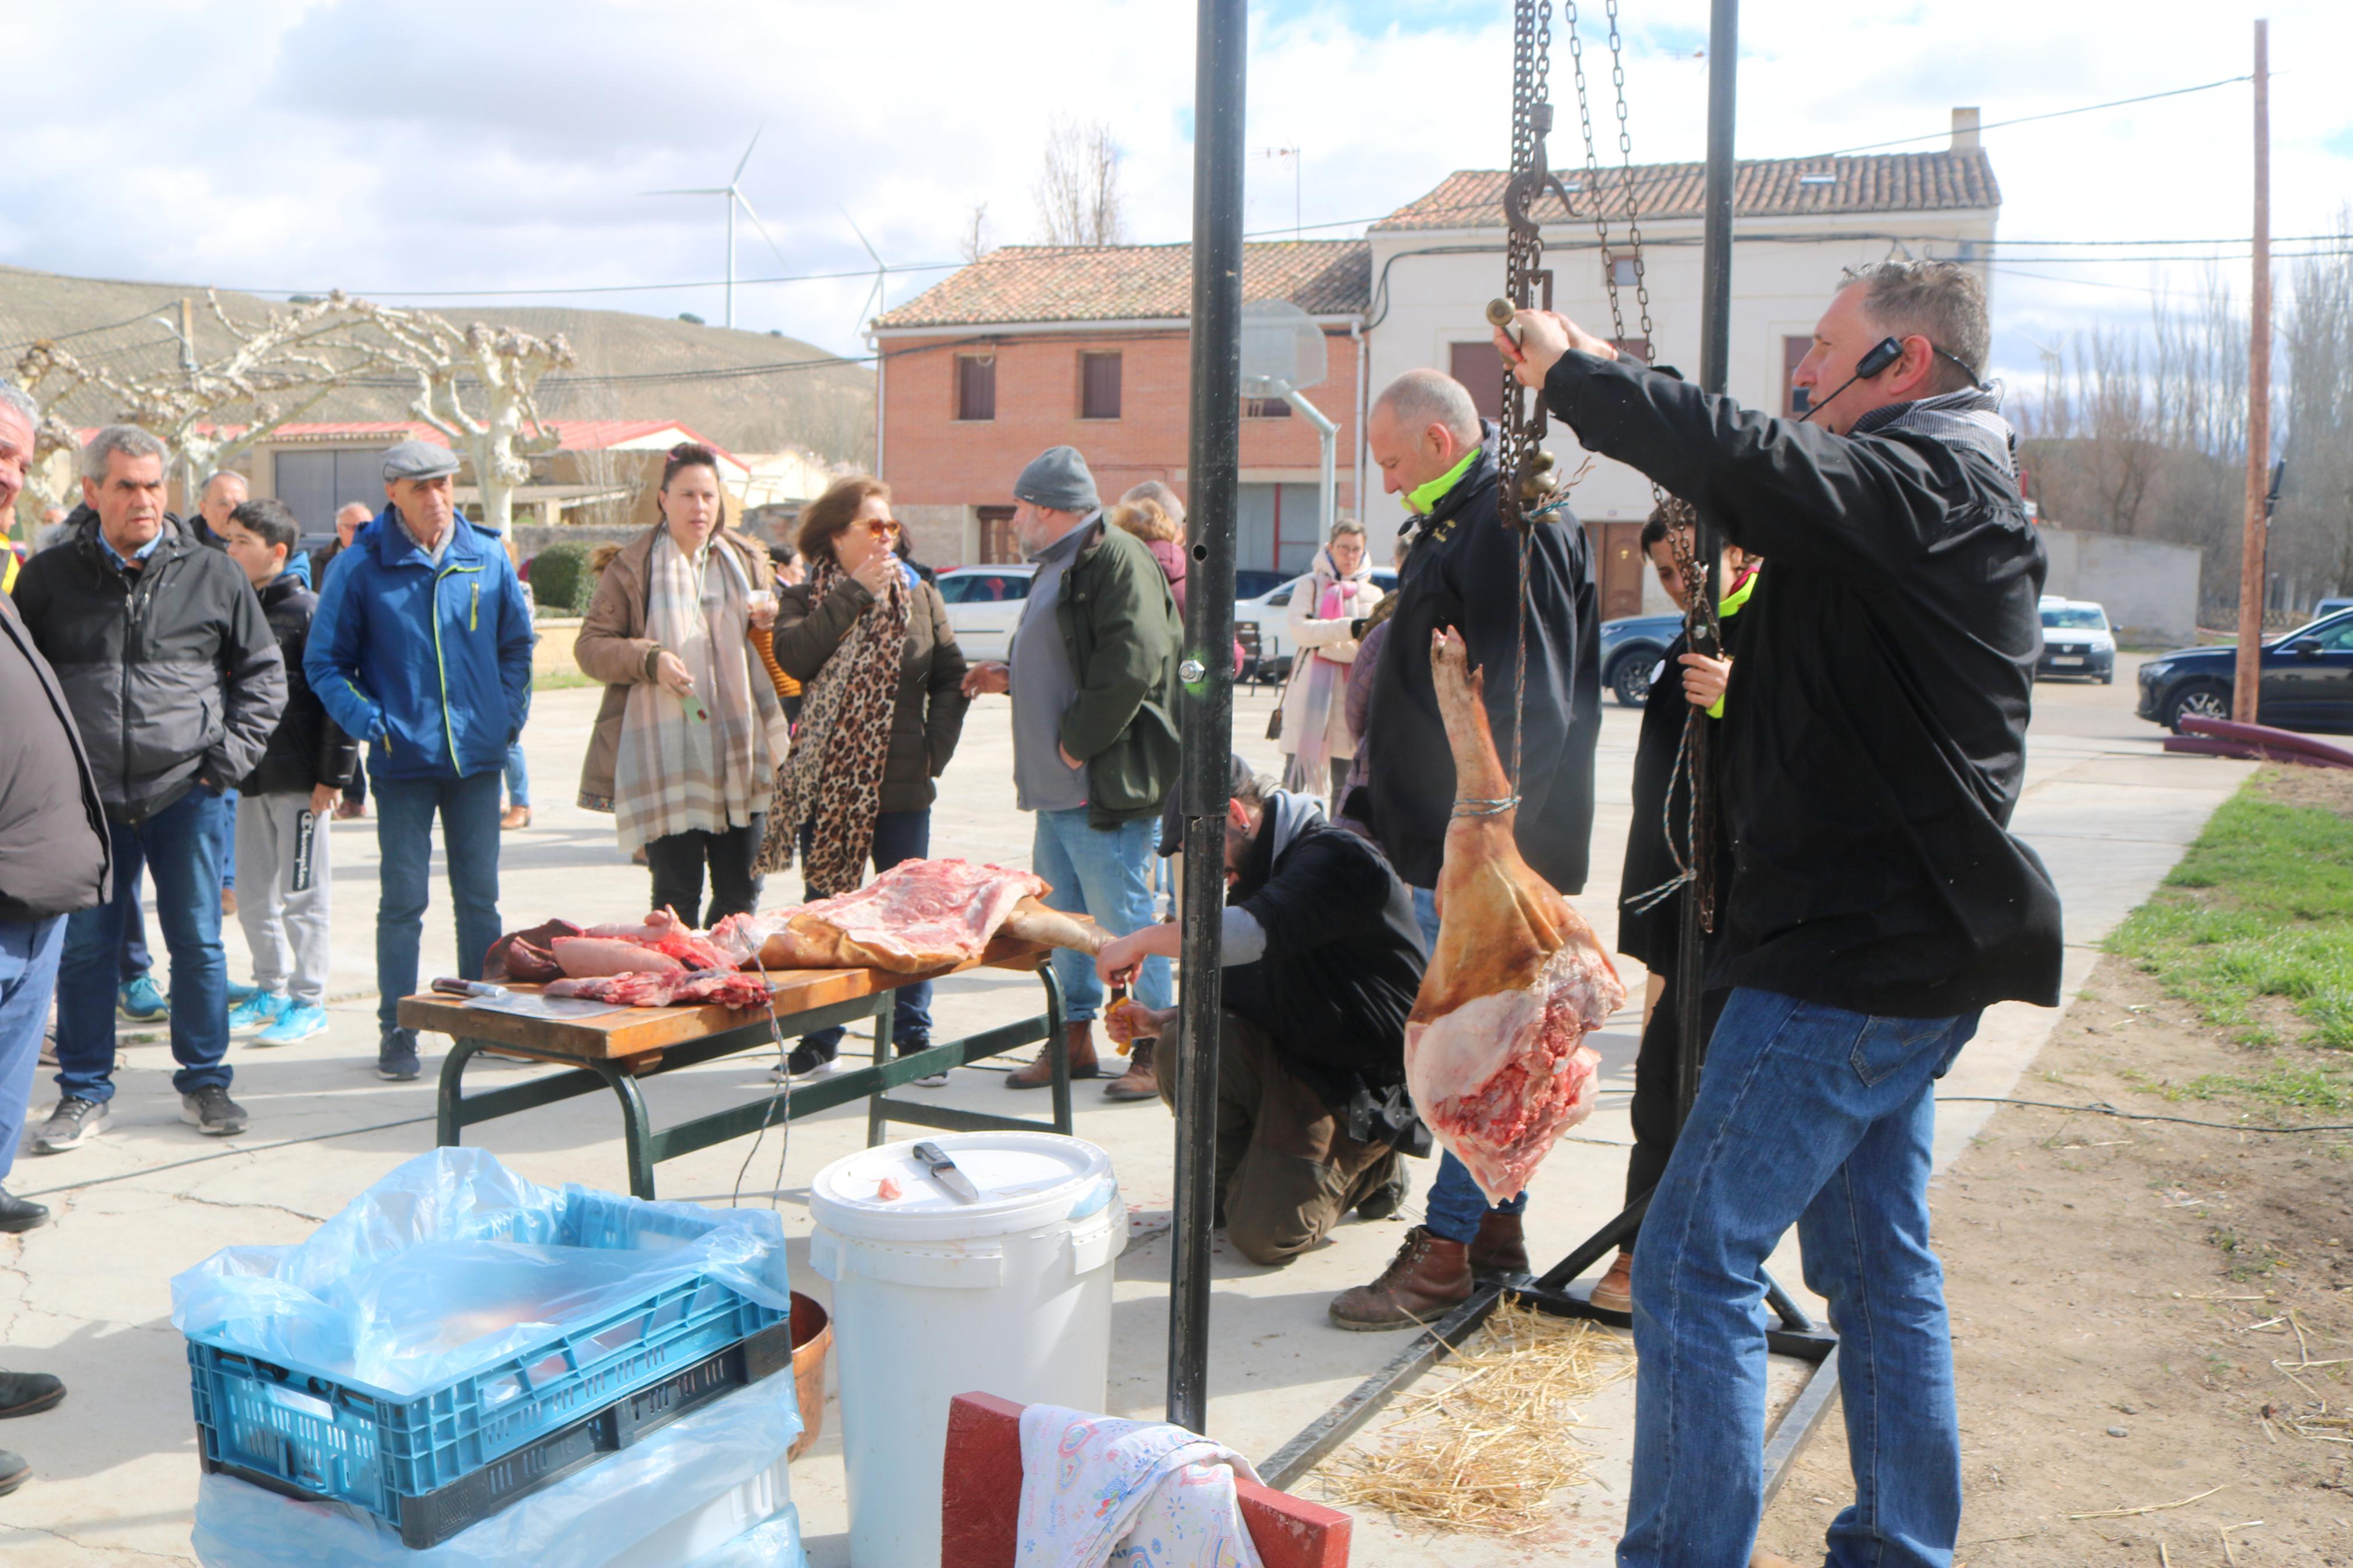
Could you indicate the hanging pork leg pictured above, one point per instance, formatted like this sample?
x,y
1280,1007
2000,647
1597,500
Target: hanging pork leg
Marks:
x,y
1494,1051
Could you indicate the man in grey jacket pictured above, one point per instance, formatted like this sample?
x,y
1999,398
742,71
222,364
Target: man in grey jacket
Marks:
x,y
175,682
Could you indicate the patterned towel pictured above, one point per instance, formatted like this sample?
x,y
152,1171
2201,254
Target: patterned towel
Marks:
x,y
1098,1492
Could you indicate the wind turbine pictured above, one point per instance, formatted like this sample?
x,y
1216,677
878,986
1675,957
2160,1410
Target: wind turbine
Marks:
x,y
732,190
876,297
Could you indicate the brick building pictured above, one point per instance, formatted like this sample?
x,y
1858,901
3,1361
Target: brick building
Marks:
x,y
1034,346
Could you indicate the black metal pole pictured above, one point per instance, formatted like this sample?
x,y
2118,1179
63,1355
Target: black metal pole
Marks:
x,y
1206,721
1715,373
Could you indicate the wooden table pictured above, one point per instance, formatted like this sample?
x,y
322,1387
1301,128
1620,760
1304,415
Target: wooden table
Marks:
x,y
614,1050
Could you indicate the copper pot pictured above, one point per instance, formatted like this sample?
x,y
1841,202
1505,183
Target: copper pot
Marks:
x,y
812,1340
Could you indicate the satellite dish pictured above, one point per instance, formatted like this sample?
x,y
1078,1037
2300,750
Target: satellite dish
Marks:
x,y
1282,349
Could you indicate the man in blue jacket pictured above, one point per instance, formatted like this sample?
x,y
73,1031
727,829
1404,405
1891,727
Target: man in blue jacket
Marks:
x,y
422,646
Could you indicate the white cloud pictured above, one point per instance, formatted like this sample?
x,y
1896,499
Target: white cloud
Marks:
x,y
440,145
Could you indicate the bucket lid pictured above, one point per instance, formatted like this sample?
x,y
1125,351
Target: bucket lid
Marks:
x,y
1027,1181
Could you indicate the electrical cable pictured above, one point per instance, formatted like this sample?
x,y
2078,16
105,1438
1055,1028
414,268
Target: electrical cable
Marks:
x,y
2101,1107
2030,118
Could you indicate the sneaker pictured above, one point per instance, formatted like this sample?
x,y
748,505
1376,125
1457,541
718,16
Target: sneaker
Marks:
x,y
803,1064
257,1012
74,1123
141,1000
211,1112
395,1056
238,995
930,1080
299,1021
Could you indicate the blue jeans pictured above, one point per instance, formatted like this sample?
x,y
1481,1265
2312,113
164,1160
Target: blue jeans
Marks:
x,y
29,975
1455,1204
405,808
518,777
136,960
181,844
898,836
228,831
1811,1116
1102,872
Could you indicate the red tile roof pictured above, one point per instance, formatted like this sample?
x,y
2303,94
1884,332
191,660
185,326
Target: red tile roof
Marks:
x,y
1880,182
1029,283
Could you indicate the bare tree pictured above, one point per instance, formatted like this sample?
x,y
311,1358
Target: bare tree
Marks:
x,y
1077,193
504,367
974,243
280,369
2313,529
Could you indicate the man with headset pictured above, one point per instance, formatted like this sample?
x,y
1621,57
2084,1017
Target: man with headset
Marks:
x,y
1873,745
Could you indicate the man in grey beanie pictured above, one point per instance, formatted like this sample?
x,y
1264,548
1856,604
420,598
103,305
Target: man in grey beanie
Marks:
x,y
1092,675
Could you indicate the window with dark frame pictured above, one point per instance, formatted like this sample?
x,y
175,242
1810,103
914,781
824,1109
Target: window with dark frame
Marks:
x,y
1099,385
1625,271
1794,398
975,386
1265,408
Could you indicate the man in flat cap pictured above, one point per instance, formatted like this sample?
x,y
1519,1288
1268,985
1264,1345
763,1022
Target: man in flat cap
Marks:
x,y
421,647
1092,675
174,681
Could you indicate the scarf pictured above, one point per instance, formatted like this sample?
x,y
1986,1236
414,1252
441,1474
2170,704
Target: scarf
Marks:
x,y
1970,417
833,780
676,774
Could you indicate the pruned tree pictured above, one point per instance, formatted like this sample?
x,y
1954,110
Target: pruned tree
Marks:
x,y
477,387
1078,193
974,243
2313,529
280,369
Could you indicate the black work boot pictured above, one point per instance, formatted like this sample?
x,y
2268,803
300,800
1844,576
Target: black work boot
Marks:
x,y
1499,1249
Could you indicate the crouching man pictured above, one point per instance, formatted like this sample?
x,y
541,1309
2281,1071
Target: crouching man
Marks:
x,y
1321,957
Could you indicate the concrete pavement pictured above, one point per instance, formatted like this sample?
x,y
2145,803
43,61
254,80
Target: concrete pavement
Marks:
x,y
88,1297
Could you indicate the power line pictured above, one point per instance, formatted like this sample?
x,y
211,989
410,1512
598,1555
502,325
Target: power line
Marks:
x,y
2030,118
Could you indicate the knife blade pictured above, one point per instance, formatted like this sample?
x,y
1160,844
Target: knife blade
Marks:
x,y
943,1170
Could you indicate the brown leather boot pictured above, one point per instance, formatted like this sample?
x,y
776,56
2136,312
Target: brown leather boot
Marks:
x,y
1039,1074
1499,1248
1139,1082
1428,1277
1614,1291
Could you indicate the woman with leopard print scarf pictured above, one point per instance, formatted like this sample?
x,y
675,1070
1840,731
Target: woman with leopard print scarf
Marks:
x,y
882,709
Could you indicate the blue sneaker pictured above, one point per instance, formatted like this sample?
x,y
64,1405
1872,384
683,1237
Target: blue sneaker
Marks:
x,y
240,995
142,1002
258,1011
298,1021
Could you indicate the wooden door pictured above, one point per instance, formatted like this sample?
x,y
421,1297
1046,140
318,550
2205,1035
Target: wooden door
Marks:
x,y
1618,568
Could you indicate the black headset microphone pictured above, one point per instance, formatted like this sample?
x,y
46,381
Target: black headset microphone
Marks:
x,y
1885,353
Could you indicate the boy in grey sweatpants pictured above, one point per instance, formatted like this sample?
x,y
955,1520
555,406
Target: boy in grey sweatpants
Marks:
x,y
281,822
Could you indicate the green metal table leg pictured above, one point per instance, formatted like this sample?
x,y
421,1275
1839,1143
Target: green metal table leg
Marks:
x,y
886,1013
449,1093
1058,1048
637,1130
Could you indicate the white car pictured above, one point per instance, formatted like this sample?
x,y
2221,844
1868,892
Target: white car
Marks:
x,y
985,605
2076,640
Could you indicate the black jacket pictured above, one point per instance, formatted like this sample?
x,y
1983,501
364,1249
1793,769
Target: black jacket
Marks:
x,y
1875,724
1344,958
1654,934
1464,571
170,671
306,749
55,849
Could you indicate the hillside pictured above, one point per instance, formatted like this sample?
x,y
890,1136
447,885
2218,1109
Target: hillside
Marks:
x,y
630,366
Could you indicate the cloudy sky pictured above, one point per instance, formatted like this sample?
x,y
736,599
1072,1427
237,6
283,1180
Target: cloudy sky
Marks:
x,y
437,149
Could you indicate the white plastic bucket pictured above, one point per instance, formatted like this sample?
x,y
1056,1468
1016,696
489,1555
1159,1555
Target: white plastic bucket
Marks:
x,y
933,1298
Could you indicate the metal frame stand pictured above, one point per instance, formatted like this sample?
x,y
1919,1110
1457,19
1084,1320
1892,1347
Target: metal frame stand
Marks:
x,y
648,1145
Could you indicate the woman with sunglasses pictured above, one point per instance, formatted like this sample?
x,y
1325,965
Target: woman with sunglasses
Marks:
x,y
685,749
882,705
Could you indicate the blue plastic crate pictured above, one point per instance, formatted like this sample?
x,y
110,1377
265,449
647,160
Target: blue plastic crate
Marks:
x,y
337,1438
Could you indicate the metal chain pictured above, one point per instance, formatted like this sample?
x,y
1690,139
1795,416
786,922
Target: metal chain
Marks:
x,y
1633,211
1522,427
1593,162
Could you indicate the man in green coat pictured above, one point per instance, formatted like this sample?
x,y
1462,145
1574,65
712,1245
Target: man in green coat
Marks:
x,y
1092,675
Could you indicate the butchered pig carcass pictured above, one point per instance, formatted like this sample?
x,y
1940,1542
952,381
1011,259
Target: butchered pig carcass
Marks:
x,y
1494,1051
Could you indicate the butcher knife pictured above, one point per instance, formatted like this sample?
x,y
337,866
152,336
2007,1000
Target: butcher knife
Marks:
x,y
943,1170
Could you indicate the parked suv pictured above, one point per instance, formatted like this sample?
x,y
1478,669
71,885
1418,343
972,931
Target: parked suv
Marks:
x,y
2307,680
1632,647
2077,641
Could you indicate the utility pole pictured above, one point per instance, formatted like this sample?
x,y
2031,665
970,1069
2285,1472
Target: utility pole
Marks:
x,y
1206,716
2247,691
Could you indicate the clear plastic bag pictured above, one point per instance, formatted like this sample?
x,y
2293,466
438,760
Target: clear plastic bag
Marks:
x,y
452,1262
711,1490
